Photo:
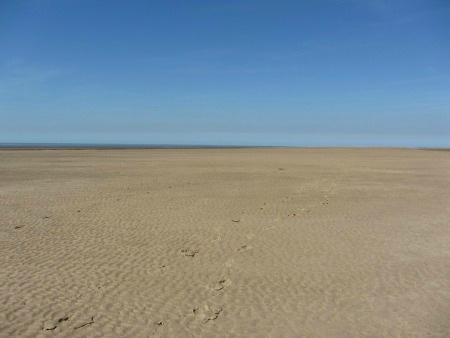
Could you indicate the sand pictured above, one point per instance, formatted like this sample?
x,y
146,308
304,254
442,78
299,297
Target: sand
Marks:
x,y
225,243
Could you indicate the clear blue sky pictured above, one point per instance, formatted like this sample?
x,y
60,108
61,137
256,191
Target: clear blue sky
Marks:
x,y
318,72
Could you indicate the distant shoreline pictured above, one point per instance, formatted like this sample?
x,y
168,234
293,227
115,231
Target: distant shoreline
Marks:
x,y
117,146
86,146
82,146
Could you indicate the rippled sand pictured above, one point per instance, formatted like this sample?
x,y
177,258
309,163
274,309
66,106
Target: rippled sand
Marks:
x,y
226,243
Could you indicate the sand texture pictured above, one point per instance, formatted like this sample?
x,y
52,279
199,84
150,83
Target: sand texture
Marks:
x,y
225,243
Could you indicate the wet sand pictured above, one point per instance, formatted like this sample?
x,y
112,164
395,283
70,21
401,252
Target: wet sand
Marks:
x,y
225,243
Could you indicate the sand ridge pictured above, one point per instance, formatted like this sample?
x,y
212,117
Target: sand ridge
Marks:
x,y
225,242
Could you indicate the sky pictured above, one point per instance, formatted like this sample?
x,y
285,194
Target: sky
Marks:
x,y
215,72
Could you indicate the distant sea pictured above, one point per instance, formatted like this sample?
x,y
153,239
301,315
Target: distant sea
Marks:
x,y
115,146
183,146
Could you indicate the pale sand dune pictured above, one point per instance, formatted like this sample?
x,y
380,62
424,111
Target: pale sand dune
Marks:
x,y
225,243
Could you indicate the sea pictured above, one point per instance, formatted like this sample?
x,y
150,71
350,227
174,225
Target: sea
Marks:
x,y
115,146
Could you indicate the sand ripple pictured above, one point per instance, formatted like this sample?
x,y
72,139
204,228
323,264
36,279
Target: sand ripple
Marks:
x,y
229,243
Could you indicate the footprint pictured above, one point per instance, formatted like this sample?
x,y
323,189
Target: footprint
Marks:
x,y
205,313
189,252
86,322
158,324
244,248
51,325
221,284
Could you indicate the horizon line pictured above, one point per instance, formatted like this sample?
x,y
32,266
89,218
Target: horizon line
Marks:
x,y
122,146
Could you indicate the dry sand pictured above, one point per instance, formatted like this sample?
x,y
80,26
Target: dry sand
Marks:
x,y
225,243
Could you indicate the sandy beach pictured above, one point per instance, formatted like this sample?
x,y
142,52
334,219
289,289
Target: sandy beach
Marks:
x,y
269,242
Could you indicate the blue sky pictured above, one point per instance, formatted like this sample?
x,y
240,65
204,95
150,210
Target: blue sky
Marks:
x,y
305,73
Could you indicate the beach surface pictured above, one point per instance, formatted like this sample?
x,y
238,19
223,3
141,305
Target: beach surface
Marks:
x,y
269,242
